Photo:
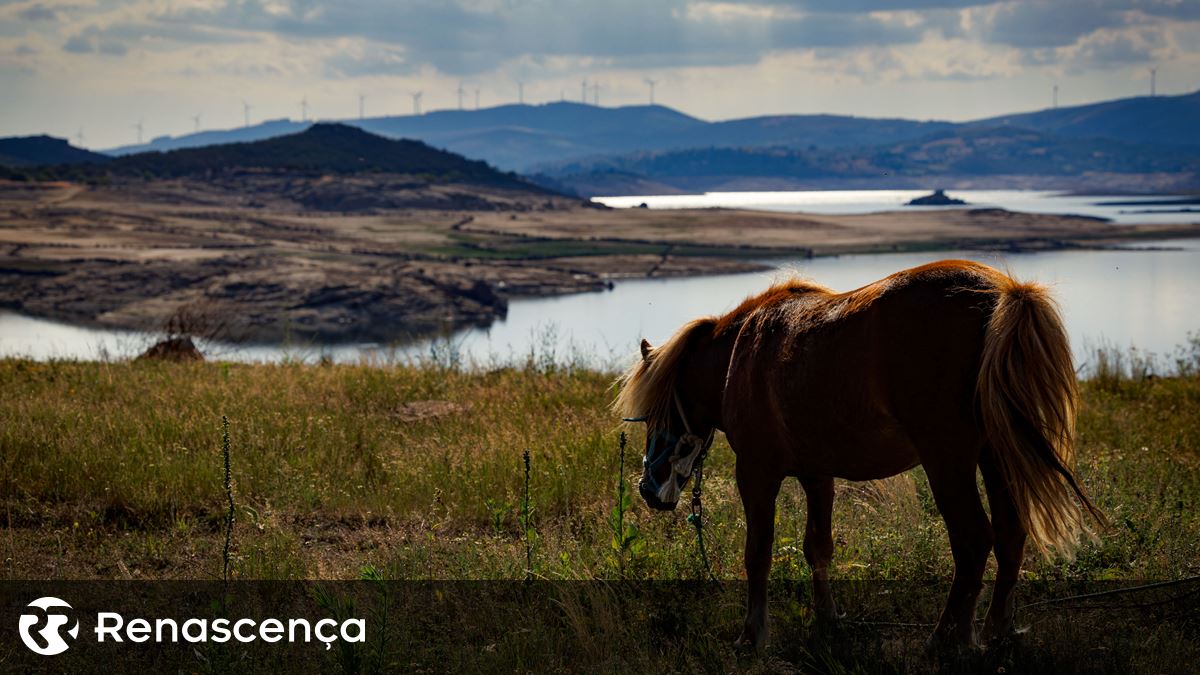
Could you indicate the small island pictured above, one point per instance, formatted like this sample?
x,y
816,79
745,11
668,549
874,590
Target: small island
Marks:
x,y
938,198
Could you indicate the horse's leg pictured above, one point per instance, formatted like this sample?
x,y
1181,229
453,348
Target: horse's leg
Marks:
x,y
758,490
818,541
1010,550
952,481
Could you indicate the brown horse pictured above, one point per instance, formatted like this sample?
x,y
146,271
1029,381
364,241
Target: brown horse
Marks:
x,y
954,366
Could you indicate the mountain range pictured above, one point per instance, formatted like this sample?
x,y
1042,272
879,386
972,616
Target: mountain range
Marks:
x,y
319,149
638,149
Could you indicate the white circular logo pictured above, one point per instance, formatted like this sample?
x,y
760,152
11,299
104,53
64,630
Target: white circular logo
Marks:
x,y
50,635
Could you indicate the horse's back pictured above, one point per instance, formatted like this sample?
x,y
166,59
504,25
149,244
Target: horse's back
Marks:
x,y
862,379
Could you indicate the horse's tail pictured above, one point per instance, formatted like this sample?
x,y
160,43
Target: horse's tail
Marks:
x,y
1028,397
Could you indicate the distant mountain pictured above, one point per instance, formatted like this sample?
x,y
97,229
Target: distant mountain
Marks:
x,y
946,158
258,132
322,148
1160,120
528,137
509,136
521,137
24,151
587,145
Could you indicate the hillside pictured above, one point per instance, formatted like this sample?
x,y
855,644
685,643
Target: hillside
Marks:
x,y
947,158
1169,121
25,151
322,148
324,167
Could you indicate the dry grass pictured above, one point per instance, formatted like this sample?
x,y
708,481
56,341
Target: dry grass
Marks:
x,y
113,470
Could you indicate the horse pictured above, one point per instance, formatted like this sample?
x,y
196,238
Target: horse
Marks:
x,y
954,366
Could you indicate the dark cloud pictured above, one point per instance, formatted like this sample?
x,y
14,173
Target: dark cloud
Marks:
x,y
37,12
841,30
858,6
92,40
79,44
465,38
1048,23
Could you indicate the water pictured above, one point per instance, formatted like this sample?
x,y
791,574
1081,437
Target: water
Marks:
x,y
1146,297
873,201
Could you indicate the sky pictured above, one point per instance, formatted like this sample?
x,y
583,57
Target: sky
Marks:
x,y
99,67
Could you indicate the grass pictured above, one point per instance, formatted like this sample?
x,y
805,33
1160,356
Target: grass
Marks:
x,y
115,470
327,459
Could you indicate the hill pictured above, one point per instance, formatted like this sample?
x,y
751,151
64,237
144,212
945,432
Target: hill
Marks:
x,y
25,151
1161,120
319,150
525,137
322,148
519,137
956,157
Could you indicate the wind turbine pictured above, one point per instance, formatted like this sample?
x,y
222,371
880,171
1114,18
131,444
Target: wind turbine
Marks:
x,y
460,91
583,91
520,92
196,123
1153,80
304,109
1056,95
416,97
362,103
477,98
246,107
596,93
138,126
651,83
79,138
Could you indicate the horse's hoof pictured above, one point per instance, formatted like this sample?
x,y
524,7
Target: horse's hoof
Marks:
x,y
831,614
941,644
748,644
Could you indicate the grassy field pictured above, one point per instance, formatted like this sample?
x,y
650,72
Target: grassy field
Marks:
x,y
114,471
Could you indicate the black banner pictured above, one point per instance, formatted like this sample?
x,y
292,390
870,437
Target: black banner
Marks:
x,y
588,626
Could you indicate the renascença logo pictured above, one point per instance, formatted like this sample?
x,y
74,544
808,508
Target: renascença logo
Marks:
x,y
51,633
111,626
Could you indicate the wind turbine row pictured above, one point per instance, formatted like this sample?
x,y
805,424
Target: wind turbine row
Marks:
x,y
585,88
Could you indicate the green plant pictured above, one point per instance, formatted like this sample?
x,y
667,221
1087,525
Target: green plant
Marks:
x,y
527,530
626,540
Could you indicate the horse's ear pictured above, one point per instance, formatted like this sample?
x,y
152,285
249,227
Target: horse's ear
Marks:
x,y
646,349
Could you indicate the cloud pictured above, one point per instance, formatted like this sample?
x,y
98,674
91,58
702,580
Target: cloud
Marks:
x,y
369,60
37,12
92,40
840,30
1106,50
1047,23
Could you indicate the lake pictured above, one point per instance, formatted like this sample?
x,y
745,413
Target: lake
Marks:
x,y
1145,296
872,201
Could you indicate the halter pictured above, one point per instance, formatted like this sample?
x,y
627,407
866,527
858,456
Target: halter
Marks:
x,y
689,448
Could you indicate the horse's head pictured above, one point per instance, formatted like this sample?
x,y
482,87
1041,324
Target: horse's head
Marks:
x,y
672,450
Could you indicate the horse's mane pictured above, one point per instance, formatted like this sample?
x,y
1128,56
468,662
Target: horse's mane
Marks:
x,y
647,387
775,294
